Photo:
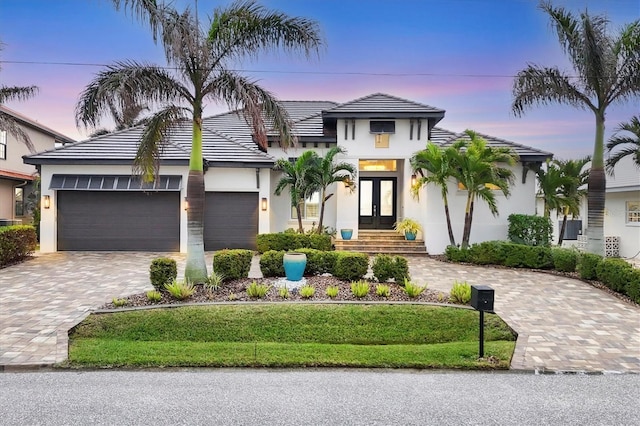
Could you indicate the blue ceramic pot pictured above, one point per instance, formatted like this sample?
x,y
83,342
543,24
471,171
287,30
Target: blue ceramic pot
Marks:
x,y
346,234
410,236
294,265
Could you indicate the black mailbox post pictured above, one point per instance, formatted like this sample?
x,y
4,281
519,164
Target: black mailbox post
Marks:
x,y
482,297
482,300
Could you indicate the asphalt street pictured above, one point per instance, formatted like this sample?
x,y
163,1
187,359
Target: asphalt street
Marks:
x,y
316,397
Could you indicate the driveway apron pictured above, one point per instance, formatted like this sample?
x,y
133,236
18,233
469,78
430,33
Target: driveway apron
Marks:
x,y
563,324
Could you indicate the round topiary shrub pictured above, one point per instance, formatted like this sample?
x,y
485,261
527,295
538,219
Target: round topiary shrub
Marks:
x,y
163,270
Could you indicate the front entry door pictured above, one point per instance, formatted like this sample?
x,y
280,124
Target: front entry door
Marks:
x,y
377,202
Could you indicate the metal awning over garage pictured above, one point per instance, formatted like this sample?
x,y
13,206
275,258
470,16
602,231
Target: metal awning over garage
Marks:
x,y
114,183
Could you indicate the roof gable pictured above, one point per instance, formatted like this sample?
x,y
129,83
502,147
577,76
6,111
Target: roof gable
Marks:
x,y
383,105
24,120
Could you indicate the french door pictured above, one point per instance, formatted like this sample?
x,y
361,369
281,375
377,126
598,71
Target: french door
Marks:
x,y
377,202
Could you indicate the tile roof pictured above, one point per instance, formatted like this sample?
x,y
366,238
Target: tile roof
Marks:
x,y
381,103
228,141
521,150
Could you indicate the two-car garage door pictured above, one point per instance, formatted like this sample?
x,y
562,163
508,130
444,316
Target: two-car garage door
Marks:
x,y
150,221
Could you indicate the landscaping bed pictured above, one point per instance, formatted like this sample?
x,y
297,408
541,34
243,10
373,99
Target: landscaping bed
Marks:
x,y
235,290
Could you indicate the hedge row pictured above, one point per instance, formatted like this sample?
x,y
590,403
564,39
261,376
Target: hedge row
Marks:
x,y
616,274
341,264
17,242
292,241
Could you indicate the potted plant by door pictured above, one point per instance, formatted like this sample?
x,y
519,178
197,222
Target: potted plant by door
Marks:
x,y
408,227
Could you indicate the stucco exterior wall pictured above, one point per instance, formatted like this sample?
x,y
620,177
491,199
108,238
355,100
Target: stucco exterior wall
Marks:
x,y
615,222
485,226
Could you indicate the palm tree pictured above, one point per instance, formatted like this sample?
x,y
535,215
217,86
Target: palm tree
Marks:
x,y
7,122
298,176
572,188
434,165
329,172
630,144
199,71
606,70
476,168
550,179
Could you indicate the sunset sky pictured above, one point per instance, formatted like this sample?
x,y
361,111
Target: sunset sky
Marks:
x,y
459,55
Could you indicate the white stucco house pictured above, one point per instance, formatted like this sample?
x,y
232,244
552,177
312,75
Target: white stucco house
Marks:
x,y
96,203
16,177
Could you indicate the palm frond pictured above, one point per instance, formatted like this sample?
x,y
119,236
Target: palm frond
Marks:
x,y
627,137
14,93
246,28
12,127
536,86
145,10
258,105
155,135
125,83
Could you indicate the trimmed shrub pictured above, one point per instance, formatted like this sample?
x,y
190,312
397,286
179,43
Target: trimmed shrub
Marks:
x,y
271,263
487,253
613,272
162,271
383,267
530,230
232,264
17,242
315,261
587,264
351,266
285,241
456,254
633,285
523,256
400,270
564,260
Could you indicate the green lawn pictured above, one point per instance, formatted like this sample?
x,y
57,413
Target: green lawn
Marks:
x,y
415,336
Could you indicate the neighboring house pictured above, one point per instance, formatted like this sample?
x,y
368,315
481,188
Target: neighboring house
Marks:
x,y
16,177
621,215
97,205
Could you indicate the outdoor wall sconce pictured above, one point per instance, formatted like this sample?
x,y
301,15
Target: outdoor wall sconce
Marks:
x,y
46,202
186,203
263,204
414,180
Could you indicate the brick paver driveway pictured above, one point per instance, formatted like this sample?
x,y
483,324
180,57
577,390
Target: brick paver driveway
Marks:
x,y
563,324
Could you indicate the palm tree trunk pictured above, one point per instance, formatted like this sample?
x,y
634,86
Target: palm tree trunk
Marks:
x,y
299,214
452,239
467,221
562,228
196,268
319,230
596,185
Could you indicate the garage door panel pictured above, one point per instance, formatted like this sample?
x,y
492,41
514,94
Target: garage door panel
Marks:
x,y
231,220
89,220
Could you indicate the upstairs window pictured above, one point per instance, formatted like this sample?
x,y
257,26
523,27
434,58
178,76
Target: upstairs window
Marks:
x,y
380,126
3,145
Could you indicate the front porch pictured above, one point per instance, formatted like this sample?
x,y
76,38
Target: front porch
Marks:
x,y
381,241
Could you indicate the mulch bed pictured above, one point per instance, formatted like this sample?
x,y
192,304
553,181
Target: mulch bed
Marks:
x,y
236,291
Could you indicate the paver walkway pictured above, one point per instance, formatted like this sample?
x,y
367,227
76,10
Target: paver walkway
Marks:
x,y
563,324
